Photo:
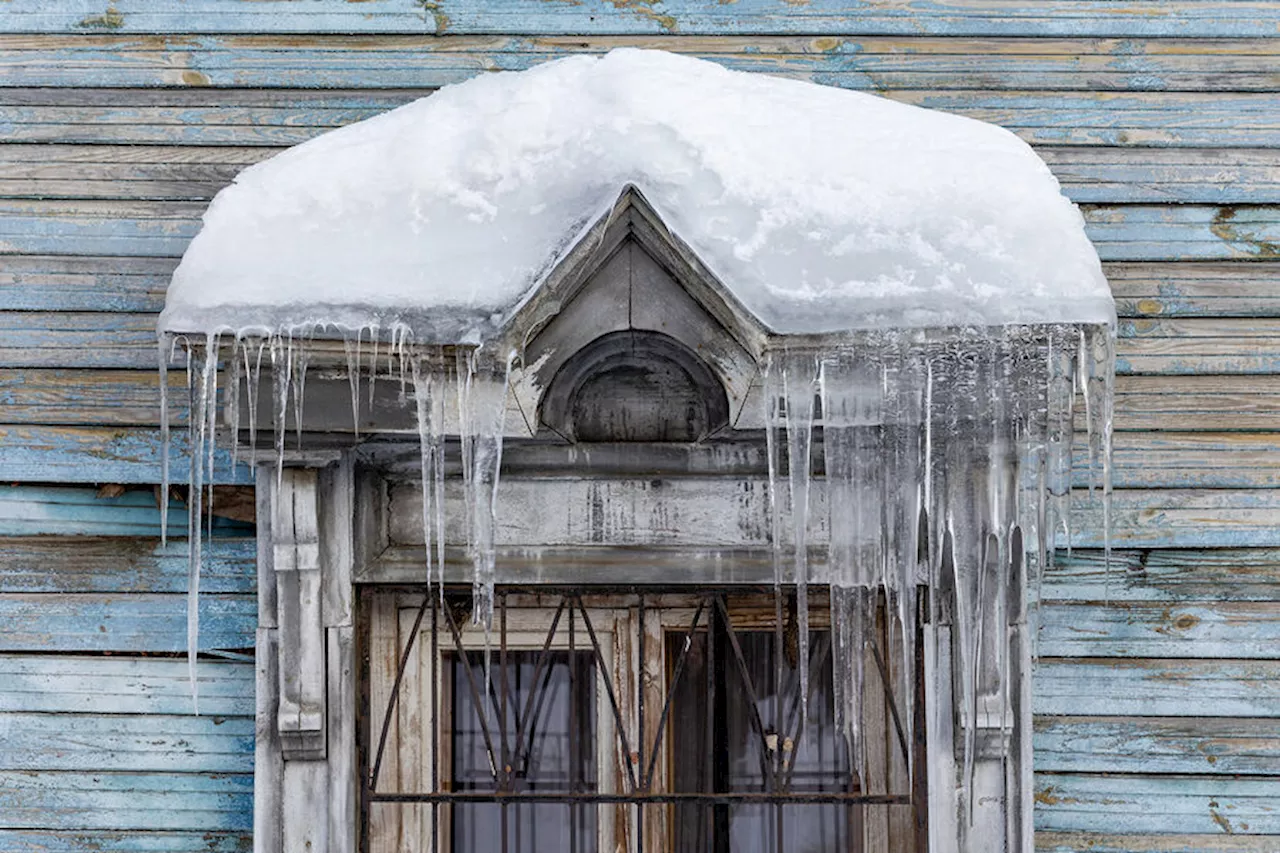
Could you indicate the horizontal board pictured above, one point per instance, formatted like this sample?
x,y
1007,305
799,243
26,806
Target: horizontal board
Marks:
x,y
1180,518
1150,804
163,229
1222,629
1156,688
1154,346
103,397
874,63
137,284
97,743
146,686
1192,288
123,841
72,511
1188,460
104,455
1169,576
1109,175
276,117
1089,842
1183,232
1087,175
702,513
70,800
1188,403
138,622
83,564
83,283
1142,460
125,623
528,17
1208,745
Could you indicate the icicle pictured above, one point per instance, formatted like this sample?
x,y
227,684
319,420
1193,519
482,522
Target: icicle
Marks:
x,y
298,378
203,407
253,375
373,361
164,440
352,349
799,381
853,412
431,447
281,368
483,406
233,400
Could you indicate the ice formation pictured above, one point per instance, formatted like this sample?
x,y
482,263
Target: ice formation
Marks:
x,y
934,310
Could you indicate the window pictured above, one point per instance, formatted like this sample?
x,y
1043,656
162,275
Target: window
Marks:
x,y
620,721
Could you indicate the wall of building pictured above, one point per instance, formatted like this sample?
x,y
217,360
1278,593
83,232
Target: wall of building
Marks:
x,y
1159,685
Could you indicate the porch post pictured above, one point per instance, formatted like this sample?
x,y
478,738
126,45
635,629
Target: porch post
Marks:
x,y
305,785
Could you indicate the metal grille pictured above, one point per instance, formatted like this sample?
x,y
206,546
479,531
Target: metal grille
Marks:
x,y
687,736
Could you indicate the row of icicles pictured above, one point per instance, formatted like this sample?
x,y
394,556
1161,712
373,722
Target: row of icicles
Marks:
x,y
947,457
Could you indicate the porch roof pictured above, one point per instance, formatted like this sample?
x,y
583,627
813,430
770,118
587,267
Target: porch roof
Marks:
x,y
820,210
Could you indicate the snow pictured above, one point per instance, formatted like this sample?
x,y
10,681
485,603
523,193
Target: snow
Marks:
x,y
820,209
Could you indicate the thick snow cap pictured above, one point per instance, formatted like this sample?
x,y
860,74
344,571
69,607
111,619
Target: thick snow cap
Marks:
x,y
820,209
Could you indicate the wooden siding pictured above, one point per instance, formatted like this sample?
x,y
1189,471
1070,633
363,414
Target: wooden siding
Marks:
x,y
1159,688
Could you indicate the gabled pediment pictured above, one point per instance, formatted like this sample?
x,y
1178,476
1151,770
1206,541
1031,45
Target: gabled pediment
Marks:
x,y
630,273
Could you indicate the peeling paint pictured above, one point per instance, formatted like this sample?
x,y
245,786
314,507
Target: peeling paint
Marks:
x,y
195,78
647,9
108,20
1226,229
433,8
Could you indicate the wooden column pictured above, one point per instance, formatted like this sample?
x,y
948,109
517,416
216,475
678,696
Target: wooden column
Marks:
x,y
305,776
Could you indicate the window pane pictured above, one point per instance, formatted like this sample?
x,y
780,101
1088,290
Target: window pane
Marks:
x,y
730,754
549,734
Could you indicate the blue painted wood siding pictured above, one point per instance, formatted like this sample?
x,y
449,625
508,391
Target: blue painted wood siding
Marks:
x,y
1158,694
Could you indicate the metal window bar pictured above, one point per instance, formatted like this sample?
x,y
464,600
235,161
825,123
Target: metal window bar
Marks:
x,y
510,761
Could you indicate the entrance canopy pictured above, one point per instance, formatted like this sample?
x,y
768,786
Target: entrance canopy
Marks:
x,y
820,210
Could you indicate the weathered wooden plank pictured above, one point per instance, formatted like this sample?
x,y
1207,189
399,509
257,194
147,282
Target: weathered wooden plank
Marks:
x,y
1163,175
336,61
1088,175
123,841
104,455
527,17
1188,460
1173,346
1180,518
163,229
127,623
1209,745
1169,576
1150,804
73,283
701,513
67,800
137,284
253,117
148,686
1156,688
1088,842
1176,232
173,172
81,564
126,742
1221,629
1218,403
70,510
1195,289
101,397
